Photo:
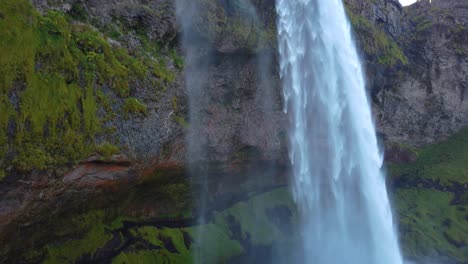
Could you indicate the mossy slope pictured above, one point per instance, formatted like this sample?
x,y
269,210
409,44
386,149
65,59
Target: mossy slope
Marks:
x,y
431,226
229,233
433,213
445,162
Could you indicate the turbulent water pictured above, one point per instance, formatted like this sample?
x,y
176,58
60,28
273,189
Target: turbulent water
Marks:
x,y
338,181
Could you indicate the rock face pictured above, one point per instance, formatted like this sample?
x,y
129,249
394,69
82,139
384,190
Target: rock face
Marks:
x,y
242,129
156,18
422,100
425,100
232,83
419,101
386,13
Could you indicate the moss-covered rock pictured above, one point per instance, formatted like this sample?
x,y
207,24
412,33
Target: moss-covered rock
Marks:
x,y
120,236
56,78
375,42
228,234
432,226
431,201
91,233
134,106
445,162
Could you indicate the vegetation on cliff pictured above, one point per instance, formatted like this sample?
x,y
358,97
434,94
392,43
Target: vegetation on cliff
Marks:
x,y
56,75
432,225
432,201
445,162
376,43
430,19
125,235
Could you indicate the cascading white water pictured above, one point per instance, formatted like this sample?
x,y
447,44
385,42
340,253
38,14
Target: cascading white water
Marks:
x,y
338,182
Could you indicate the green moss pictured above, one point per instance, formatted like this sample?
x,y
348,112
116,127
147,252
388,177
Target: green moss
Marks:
x,y
92,233
142,256
177,59
114,32
159,238
107,149
32,158
375,42
56,69
218,245
78,11
422,22
213,242
253,219
430,225
6,113
134,106
18,42
181,121
113,66
445,162
77,235
423,25
175,104
161,71
48,105
103,100
176,236
460,51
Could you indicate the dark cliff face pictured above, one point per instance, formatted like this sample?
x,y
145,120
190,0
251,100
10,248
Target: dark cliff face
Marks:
x,y
243,107
421,99
387,14
236,102
415,59
416,71
424,101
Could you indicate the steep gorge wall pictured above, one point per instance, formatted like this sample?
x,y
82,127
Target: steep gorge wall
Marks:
x,y
425,100
420,99
142,121
416,78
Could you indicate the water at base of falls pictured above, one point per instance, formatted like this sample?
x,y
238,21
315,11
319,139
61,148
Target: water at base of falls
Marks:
x,y
338,183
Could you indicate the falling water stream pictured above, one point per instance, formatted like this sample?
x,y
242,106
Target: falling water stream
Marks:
x,y
338,182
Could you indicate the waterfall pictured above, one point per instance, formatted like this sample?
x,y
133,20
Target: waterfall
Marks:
x,y
198,42
198,56
338,182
